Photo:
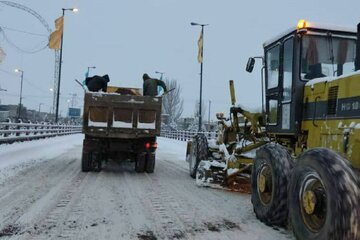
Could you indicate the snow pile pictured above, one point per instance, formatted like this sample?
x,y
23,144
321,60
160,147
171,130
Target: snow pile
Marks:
x,y
171,149
16,156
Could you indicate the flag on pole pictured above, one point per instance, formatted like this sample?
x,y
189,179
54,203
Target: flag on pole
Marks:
x,y
55,37
200,45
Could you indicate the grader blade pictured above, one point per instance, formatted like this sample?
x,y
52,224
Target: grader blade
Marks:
x,y
214,174
210,173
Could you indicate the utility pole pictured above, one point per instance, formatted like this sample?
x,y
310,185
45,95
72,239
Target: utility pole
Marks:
x,y
209,115
21,87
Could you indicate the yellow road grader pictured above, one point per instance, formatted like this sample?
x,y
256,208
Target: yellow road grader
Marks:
x,y
302,152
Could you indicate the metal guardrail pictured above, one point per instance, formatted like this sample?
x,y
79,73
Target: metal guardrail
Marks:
x,y
185,135
13,132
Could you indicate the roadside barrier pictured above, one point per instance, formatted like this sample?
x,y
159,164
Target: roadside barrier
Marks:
x,y
13,132
185,135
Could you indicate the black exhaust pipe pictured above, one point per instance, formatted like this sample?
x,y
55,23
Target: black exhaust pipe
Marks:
x,y
357,59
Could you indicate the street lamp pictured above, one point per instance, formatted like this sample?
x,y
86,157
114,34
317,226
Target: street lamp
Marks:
x,y
161,74
40,111
40,107
60,63
201,67
209,116
88,71
21,86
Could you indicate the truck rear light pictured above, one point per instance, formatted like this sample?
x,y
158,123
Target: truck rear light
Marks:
x,y
149,145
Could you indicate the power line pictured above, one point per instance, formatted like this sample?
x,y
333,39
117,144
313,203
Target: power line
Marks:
x,y
22,31
18,48
8,72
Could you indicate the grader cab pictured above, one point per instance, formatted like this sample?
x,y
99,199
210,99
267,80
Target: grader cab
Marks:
x,y
306,172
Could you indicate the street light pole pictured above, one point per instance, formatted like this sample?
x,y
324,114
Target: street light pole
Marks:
x,y
60,63
161,74
201,70
39,110
40,107
88,70
209,115
21,87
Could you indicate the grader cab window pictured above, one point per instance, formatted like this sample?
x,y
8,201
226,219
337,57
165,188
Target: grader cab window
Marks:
x,y
272,62
273,111
326,56
288,69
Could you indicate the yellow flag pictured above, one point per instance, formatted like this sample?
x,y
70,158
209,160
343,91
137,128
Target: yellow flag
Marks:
x,y
55,37
200,45
59,23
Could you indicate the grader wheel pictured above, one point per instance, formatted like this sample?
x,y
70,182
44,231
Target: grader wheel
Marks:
x,y
324,197
269,180
199,151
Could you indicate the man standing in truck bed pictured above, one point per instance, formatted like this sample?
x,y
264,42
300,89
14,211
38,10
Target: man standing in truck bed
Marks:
x,y
150,86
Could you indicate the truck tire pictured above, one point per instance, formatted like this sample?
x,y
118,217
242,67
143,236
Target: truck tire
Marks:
x,y
324,197
199,151
86,162
150,162
269,181
140,162
97,162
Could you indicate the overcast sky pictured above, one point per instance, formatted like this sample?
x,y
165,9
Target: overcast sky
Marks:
x,y
130,37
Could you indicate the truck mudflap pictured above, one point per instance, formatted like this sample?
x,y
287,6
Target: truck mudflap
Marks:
x,y
145,162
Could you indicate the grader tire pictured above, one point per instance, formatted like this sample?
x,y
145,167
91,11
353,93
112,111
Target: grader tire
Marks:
x,y
140,162
198,152
269,181
334,213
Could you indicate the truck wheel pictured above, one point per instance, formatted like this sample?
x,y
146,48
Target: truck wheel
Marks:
x,y
140,162
199,151
324,197
97,162
150,162
86,162
269,180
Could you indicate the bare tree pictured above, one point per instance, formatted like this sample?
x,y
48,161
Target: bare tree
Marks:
x,y
172,101
203,109
194,126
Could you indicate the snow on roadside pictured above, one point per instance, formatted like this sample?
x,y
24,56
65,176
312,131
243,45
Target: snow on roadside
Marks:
x,y
17,156
171,149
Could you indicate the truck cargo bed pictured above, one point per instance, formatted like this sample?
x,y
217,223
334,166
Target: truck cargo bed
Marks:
x,y
111,115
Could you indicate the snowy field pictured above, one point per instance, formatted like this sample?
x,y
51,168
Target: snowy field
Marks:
x,y
44,195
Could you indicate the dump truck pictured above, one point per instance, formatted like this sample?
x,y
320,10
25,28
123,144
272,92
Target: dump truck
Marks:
x,y
302,152
120,124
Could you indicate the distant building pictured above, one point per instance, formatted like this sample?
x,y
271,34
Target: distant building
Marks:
x,y
11,109
4,115
185,123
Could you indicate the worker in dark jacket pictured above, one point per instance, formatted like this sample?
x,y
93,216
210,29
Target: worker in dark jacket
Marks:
x,y
150,86
97,83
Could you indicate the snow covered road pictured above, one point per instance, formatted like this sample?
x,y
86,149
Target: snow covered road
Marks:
x,y
44,195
